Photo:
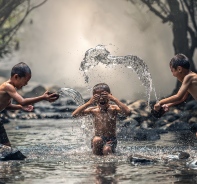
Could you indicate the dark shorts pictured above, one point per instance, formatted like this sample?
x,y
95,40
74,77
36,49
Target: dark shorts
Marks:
x,y
112,144
3,135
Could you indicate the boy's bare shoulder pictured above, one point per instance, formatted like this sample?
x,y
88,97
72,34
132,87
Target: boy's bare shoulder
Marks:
x,y
190,76
6,86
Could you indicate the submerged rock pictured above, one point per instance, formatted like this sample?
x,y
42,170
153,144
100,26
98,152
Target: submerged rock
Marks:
x,y
146,135
16,155
181,155
7,153
135,160
37,91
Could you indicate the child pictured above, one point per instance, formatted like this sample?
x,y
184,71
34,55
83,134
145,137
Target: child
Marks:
x,y
20,75
104,141
180,68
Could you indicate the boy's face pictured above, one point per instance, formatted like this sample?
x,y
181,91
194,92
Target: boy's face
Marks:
x,y
102,98
176,72
21,81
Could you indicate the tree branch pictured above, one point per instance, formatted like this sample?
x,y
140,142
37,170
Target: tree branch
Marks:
x,y
11,32
190,9
156,12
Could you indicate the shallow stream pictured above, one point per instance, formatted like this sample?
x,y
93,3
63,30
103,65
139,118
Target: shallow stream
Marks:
x,y
57,152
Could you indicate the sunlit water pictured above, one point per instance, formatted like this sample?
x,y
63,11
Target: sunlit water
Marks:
x,y
57,152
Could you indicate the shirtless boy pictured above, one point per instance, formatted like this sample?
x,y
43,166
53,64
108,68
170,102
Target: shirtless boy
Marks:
x,y
180,68
104,141
20,75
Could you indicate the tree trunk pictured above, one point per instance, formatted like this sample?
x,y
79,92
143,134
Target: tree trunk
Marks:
x,y
179,28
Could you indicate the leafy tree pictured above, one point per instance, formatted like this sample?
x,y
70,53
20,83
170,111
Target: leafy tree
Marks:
x,y
12,15
182,15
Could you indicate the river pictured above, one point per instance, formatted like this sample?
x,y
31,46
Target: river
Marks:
x,y
57,152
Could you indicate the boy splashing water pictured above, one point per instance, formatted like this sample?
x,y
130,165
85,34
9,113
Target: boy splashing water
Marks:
x,y
20,75
104,141
180,68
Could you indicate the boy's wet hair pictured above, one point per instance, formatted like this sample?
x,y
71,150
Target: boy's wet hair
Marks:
x,y
180,60
21,69
101,86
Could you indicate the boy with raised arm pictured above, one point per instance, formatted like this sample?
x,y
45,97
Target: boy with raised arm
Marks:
x,y
20,75
180,68
104,141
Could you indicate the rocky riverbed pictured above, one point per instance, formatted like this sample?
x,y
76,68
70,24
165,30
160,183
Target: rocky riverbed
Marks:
x,y
141,125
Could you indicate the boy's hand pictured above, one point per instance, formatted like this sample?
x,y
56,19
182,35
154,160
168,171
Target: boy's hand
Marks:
x,y
165,107
157,106
28,108
51,97
94,99
107,95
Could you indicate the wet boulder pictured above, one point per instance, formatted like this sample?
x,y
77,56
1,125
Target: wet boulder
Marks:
x,y
190,105
183,155
146,135
37,91
177,126
7,153
4,118
126,127
136,160
180,155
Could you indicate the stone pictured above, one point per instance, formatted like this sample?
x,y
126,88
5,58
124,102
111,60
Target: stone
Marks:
x,y
178,125
37,91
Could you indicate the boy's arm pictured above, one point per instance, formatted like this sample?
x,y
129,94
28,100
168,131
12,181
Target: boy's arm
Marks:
x,y
167,106
13,107
83,109
179,97
27,101
178,102
19,107
122,107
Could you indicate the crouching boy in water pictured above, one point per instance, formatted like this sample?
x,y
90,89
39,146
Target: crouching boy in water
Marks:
x,y
104,141
20,75
180,68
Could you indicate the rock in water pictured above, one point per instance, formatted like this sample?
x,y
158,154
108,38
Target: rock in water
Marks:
x,y
139,160
16,155
6,153
183,155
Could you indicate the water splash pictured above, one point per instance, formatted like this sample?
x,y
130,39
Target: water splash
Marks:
x,y
85,121
75,95
100,54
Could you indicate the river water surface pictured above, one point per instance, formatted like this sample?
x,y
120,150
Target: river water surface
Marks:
x,y
57,152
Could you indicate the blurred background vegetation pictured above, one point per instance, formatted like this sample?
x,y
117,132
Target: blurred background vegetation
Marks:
x,y
182,15
92,22
12,15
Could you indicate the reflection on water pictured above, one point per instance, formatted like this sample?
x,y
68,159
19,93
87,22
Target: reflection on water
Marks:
x,y
57,153
105,173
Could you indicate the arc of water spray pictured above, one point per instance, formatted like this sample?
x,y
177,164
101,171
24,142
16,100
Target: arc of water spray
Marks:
x,y
73,94
100,54
87,121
